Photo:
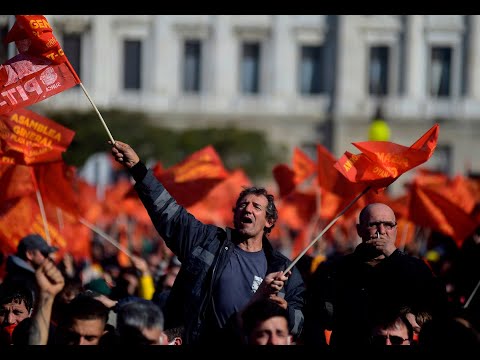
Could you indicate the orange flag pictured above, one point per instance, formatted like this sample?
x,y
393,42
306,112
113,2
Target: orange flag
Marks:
x,y
216,207
15,181
89,206
337,191
21,217
382,162
28,138
78,238
16,218
39,71
202,164
435,207
298,209
284,176
192,179
288,178
56,184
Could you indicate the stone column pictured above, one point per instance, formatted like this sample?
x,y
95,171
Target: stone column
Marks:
x,y
284,72
415,57
225,62
473,61
104,72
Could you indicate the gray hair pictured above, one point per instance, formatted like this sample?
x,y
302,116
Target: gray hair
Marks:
x,y
139,315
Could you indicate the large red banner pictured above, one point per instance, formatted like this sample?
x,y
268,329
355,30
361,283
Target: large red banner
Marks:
x,y
27,138
382,162
39,71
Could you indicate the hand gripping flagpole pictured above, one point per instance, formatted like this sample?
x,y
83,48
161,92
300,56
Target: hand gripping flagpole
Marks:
x,y
289,267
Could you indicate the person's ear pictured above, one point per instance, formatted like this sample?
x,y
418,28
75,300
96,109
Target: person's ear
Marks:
x,y
29,254
177,341
269,223
359,230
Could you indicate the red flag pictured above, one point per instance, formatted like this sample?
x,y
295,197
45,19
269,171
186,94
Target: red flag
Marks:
x,y
40,70
336,191
193,178
28,138
382,162
435,207
33,35
15,181
56,185
303,166
89,206
284,176
298,209
202,164
21,217
16,218
216,207
288,178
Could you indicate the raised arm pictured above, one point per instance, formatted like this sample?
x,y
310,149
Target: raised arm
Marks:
x,y
50,282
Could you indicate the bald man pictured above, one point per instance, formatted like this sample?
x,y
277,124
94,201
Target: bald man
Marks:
x,y
346,293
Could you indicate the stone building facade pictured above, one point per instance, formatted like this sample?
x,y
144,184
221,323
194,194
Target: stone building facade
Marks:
x,y
302,79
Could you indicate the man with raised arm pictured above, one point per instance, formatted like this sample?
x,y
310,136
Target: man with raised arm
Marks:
x,y
222,269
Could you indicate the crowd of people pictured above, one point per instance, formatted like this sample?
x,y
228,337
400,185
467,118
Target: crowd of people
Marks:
x,y
229,286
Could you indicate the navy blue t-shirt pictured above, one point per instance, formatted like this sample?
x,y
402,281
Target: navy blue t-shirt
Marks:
x,y
239,281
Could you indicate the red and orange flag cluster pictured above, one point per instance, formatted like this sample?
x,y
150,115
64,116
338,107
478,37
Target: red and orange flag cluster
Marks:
x,y
39,71
311,192
381,162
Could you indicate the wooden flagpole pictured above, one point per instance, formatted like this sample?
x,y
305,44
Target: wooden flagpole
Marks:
x,y
289,267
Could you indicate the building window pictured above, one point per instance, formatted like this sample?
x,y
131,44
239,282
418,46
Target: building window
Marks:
x,y
132,70
311,65
250,71
378,72
192,66
4,47
72,47
440,69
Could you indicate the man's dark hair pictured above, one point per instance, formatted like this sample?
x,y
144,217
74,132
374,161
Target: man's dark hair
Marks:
x,y
386,318
16,292
174,332
85,307
261,310
271,210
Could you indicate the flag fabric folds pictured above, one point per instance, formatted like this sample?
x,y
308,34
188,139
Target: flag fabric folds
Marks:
x,y
435,207
40,70
336,190
56,184
15,181
381,162
193,178
27,138
202,164
288,178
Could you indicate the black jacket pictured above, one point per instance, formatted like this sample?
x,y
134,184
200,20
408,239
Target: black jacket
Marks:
x,y
204,251
347,295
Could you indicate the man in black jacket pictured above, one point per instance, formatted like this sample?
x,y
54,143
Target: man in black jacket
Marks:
x,y
222,269
347,294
